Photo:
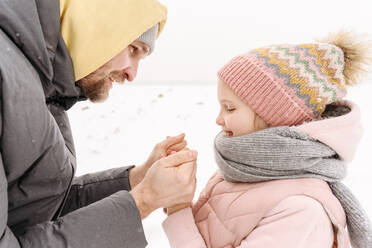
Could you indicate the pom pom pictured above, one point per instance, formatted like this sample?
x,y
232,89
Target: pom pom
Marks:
x,y
357,54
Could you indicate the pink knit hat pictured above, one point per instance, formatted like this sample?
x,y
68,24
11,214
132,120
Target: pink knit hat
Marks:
x,y
290,84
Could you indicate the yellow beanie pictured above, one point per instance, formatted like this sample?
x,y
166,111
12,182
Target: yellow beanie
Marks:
x,y
95,31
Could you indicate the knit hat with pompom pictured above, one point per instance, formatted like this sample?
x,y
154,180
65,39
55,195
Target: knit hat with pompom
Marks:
x,y
290,84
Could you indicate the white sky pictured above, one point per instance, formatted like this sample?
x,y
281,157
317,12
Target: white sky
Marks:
x,y
201,35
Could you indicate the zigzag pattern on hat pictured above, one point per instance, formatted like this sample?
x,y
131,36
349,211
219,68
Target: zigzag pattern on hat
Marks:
x,y
301,59
309,70
338,75
330,62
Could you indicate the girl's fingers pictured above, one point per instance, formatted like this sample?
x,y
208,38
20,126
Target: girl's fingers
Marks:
x,y
172,140
179,158
178,147
172,151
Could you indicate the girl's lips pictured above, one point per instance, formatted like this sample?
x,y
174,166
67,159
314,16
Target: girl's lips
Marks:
x,y
228,133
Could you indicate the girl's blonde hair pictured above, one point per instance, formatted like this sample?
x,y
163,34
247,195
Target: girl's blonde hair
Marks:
x,y
259,123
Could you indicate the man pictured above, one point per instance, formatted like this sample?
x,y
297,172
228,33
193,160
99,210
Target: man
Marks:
x,y
53,54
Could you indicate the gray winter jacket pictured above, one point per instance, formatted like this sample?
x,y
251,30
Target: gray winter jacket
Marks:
x,y
41,203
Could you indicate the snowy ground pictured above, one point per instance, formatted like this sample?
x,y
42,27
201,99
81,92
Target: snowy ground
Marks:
x,y
124,129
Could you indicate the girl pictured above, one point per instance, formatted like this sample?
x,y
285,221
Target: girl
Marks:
x,y
287,137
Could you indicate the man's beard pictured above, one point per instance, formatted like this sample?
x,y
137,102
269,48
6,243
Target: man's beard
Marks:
x,y
95,90
96,85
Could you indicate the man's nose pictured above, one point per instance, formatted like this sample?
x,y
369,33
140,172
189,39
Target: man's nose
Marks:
x,y
127,67
126,64
132,69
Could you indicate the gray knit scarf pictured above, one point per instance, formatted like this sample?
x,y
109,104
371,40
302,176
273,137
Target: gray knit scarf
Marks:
x,y
282,153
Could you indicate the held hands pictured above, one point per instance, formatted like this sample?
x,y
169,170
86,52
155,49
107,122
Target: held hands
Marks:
x,y
162,149
176,208
169,182
165,148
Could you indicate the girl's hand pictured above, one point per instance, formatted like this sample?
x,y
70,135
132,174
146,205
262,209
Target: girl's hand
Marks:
x,y
165,148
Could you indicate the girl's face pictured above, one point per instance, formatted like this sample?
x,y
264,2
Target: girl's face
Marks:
x,y
235,117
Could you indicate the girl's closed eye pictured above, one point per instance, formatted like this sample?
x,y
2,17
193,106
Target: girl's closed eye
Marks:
x,y
229,108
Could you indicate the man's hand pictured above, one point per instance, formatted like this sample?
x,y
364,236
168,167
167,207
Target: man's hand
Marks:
x,y
170,181
162,149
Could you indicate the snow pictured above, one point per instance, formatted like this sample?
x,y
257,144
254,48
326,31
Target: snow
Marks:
x,y
124,129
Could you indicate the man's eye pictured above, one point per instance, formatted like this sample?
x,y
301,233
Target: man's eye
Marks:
x,y
133,49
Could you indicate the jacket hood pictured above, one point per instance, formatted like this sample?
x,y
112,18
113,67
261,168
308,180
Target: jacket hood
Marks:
x,y
33,27
341,133
95,31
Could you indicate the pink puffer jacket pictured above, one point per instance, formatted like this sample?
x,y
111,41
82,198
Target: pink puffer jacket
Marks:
x,y
289,213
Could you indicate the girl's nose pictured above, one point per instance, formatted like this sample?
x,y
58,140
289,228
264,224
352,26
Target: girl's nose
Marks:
x,y
219,120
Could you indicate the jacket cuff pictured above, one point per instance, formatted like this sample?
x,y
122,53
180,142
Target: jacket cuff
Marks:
x,y
93,187
181,230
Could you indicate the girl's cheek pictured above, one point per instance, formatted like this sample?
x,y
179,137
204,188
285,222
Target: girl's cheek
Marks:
x,y
230,124
227,122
